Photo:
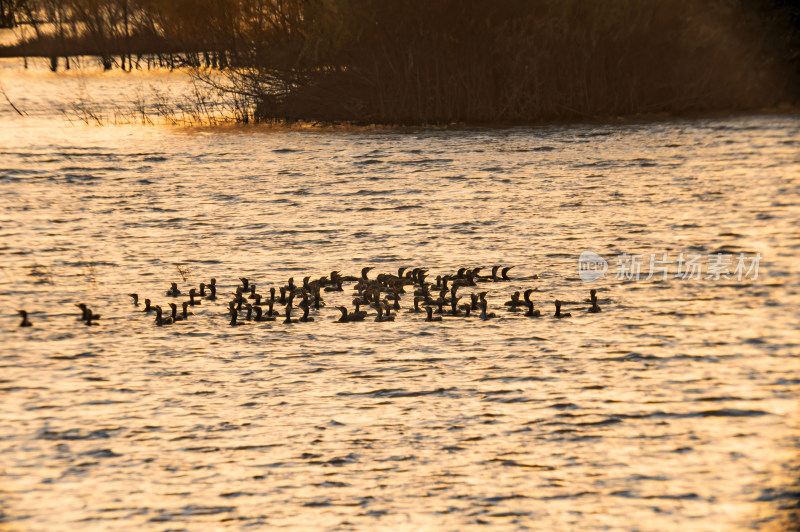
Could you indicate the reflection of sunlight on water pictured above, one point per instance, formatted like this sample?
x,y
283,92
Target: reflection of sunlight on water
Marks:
x,y
85,94
674,407
12,36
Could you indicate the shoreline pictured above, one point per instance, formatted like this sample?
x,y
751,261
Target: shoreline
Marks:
x,y
91,64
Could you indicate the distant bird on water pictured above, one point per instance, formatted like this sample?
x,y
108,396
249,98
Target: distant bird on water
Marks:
x,y
560,314
160,320
381,317
192,295
344,318
135,299
289,315
175,316
86,313
212,287
430,316
484,305
173,291
532,313
305,317
595,308
25,321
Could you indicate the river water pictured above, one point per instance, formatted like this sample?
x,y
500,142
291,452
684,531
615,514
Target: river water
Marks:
x,y
674,407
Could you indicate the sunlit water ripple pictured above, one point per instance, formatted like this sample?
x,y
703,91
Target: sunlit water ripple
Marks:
x,y
674,407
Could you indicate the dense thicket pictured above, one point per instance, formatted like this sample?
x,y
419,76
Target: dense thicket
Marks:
x,y
114,30
442,61
512,60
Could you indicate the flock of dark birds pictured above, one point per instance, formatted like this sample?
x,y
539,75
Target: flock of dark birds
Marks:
x,y
383,294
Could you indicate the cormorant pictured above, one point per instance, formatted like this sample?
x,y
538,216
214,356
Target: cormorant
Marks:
x,y
558,313
430,316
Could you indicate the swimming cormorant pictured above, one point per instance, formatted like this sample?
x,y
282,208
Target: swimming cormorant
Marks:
x,y
381,317
86,313
305,317
344,318
558,313
595,307
430,316
173,291
486,315
160,320
192,295
212,295
25,321
289,315
532,313
175,316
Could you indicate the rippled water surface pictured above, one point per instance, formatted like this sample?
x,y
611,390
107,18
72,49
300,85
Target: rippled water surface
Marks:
x,y
677,406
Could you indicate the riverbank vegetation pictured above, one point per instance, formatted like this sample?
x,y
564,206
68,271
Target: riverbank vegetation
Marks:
x,y
444,61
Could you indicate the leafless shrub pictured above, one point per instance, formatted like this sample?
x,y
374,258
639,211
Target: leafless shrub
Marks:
x,y
41,274
183,271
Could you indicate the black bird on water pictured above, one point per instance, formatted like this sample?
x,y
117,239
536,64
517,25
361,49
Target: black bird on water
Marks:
x,y
173,290
593,296
365,271
175,316
344,318
514,303
135,299
25,321
192,295
305,317
160,320
560,314
86,313
259,315
430,316
532,313
147,308
212,288
381,317
289,315
486,315
357,314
